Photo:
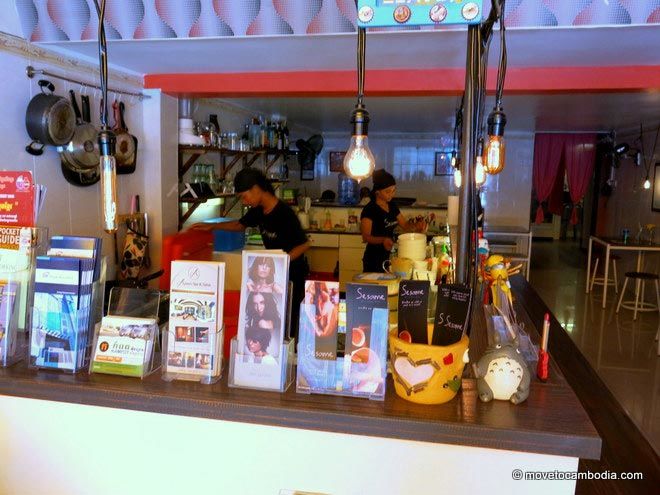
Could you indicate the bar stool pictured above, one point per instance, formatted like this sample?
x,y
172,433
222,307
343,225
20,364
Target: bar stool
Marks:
x,y
601,280
638,305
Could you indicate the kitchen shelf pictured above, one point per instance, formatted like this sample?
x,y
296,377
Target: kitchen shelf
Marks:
x,y
269,156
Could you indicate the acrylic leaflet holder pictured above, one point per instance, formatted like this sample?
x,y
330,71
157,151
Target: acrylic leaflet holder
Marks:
x,y
192,353
63,325
18,248
126,342
270,373
361,373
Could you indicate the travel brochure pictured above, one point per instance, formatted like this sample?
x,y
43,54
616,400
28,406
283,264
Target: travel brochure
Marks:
x,y
194,343
63,310
124,346
8,324
359,368
20,198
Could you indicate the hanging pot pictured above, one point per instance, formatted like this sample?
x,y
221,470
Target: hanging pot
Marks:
x,y
83,149
49,119
77,176
126,147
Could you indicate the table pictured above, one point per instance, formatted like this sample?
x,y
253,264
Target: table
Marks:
x,y
494,231
617,244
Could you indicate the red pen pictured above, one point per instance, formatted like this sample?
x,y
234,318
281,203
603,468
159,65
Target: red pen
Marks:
x,y
542,367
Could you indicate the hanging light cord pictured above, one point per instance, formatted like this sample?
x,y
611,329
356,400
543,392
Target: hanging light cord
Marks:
x,y
103,63
647,163
501,70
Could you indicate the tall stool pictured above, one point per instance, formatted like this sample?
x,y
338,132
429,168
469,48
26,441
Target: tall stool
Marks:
x,y
601,280
638,304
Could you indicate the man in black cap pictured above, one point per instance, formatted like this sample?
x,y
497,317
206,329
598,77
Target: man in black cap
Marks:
x,y
378,220
279,227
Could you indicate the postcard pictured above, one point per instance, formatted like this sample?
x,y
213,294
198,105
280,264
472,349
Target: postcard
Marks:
x,y
452,311
413,309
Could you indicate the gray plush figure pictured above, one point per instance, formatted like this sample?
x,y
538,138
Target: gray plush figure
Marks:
x,y
502,372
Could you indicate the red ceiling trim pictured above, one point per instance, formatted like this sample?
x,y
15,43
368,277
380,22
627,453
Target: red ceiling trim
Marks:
x,y
402,82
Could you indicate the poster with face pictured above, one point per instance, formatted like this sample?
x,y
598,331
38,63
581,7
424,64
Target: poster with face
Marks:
x,y
262,313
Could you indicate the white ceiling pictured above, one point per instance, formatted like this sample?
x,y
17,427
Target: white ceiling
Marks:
x,y
538,47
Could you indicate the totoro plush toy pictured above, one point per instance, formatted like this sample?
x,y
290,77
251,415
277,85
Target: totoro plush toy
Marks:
x,y
502,372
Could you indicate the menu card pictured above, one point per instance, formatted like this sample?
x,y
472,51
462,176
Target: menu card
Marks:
x,y
451,314
413,308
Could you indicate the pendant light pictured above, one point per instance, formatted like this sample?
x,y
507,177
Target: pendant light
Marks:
x,y
479,169
494,153
359,162
106,138
647,163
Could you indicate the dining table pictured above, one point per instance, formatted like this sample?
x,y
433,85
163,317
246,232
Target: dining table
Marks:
x,y
610,244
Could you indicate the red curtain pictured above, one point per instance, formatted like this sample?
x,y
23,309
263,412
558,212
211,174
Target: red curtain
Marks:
x,y
548,150
579,158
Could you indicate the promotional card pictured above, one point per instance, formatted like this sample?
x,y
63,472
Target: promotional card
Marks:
x,y
413,309
452,313
361,300
263,306
17,206
321,304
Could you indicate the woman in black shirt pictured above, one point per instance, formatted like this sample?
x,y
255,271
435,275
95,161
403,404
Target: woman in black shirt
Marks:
x,y
378,220
279,227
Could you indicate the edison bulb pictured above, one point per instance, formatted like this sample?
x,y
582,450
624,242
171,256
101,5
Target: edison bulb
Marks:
x,y
109,192
458,178
359,162
453,160
493,160
647,184
479,172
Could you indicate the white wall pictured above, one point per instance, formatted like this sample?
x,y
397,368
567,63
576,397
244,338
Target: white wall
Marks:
x,y
71,210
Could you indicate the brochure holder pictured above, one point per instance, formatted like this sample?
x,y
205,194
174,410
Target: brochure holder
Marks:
x,y
361,374
274,374
61,336
181,361
129,303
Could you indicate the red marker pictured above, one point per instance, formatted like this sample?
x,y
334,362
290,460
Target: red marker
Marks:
x,y
542,367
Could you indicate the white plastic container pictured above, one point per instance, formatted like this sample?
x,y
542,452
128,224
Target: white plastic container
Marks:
x,y
412,246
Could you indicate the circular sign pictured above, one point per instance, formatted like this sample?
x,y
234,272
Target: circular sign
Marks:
x,y
402,14
438,13
365,14
470,11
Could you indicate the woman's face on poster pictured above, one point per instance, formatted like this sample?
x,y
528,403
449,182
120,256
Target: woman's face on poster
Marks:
x,y
259,304
263,269
253,346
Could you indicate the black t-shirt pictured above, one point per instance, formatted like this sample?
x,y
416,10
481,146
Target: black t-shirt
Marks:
x,y
280,229
383,224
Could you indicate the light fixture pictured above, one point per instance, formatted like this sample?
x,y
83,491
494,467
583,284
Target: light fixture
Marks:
x,y
647,163
106,138
647,183
494,156
621,149
458,177
359,162
479,169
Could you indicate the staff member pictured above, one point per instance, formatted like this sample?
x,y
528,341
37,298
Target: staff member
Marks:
x,y
378,220
279,227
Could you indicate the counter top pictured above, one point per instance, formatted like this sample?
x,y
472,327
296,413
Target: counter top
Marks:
x,y
359,207
552,420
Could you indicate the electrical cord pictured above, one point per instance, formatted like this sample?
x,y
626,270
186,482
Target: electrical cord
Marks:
x,y
103,63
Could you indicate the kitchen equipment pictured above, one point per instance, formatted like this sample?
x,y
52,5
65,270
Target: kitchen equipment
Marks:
x,y
82,152
187,133
126,147
78,176
49,119
401,267
412,246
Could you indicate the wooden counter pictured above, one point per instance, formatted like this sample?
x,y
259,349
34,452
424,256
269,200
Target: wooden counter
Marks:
x,y
551,422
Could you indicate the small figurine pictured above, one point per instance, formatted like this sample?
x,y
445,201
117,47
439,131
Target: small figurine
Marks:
x,y
502,372
497,271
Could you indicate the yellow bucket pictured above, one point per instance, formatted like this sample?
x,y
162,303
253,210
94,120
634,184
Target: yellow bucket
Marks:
x,y
427,374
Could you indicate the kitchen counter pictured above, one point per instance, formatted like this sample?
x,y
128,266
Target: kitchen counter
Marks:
x,y
320,204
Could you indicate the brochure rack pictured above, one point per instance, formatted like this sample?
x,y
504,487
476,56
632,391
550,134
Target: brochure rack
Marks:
x,y
60,335
18,250
184,357
361,374
273,374
132,326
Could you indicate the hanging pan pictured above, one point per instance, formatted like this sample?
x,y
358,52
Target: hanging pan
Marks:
x,y
126,147
49,119
83,149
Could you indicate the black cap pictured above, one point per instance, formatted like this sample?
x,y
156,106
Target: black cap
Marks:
x,y
249,177
382,180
